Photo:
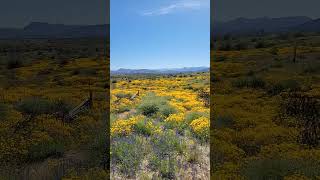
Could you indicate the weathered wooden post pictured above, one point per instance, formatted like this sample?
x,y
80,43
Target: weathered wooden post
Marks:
x,y
90,95
90,98
294,52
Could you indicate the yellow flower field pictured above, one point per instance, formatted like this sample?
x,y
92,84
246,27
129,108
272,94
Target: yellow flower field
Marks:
x,y
159,115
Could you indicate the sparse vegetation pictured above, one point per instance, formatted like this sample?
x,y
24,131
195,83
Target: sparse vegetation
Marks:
x,y
266,107
41,81
163,124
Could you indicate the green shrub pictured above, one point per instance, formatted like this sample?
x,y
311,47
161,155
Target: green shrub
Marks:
x,y
311,69
43,150
98,147
61,106
142,128
166,110
88,72
249,82
279,168
154,162
260,44
123,95
123,109
14,63
3,110
148,109
152,104
250,73
36,106
193,155
192,116
286,85
224,121
274,51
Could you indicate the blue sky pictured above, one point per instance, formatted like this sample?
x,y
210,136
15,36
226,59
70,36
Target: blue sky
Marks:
x,y
159,33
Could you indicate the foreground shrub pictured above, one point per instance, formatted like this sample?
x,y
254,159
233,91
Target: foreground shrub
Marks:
x,y
127,154
224,121
123,127
249,82
143,127
43,150
192,116
286,85
225,152
165,147
36,106
201,128
280,168
148,108
3,110
175,120
92,173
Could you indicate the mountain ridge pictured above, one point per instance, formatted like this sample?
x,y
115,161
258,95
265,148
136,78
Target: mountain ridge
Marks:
x,y
243,25
46,30
161,71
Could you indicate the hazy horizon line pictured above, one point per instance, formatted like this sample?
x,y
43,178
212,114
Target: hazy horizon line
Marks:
x,y
115,69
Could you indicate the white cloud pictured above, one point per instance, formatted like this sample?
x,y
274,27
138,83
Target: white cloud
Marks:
x,y
177,6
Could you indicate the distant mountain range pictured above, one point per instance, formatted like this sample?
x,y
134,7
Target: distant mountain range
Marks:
x,y
236,26
46,30
161,71
266,25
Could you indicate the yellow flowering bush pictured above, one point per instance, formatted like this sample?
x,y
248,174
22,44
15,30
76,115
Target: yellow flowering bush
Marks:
x,y
124,126
176,118
201,127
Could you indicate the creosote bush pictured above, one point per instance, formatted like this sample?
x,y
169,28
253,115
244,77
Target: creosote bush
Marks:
x,y
36,106
249,82
142,127
152,104
43,150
